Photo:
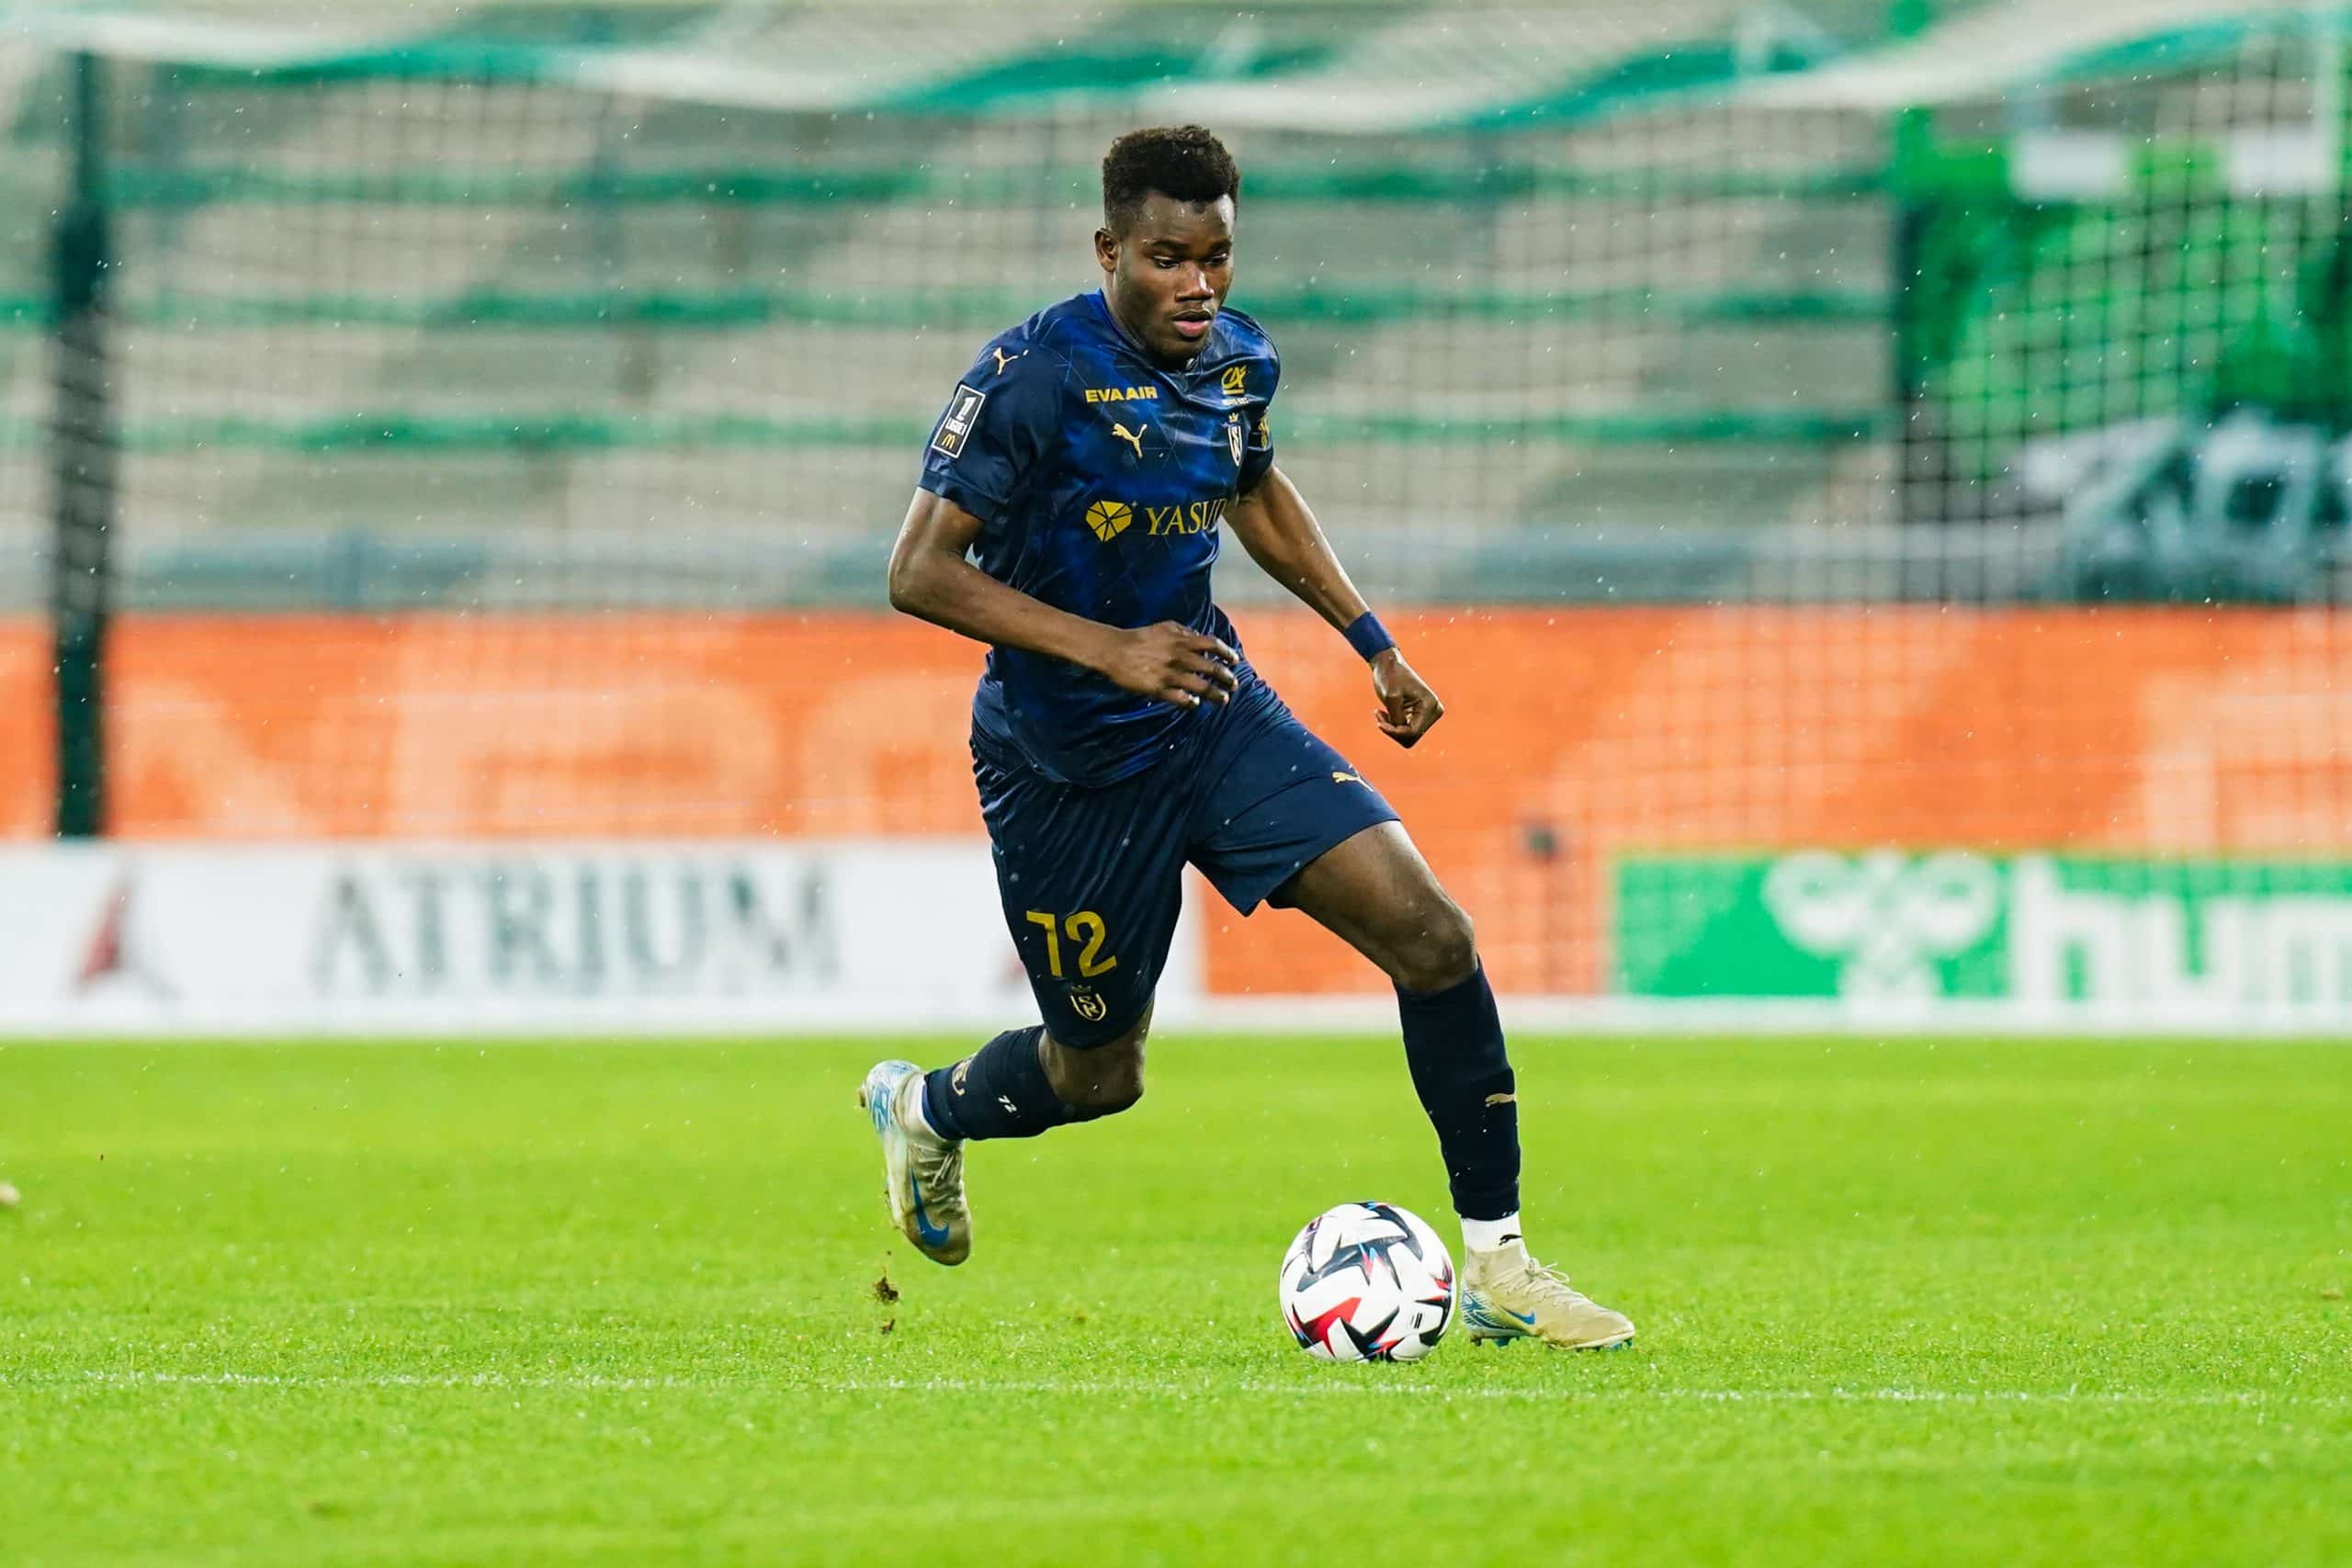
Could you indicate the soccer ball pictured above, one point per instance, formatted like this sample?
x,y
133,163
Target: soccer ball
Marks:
x,y
1367,1283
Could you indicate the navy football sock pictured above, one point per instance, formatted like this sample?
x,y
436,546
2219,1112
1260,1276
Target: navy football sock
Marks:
x,y
998,1092
1453,1044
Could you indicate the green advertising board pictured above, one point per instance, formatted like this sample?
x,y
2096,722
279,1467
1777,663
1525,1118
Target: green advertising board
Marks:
x,y
1893,925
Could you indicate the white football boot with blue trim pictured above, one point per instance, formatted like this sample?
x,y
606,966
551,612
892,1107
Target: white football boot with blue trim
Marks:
x,y
1507,1295
924,1171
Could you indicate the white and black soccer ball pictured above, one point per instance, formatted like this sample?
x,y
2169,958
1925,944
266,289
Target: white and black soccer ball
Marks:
x,y
1367,1283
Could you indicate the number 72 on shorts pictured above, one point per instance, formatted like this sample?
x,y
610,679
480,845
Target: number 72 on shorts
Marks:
x,y
1085,928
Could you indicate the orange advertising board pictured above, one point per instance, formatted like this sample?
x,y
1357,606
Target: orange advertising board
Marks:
x,y
28,733
1570,738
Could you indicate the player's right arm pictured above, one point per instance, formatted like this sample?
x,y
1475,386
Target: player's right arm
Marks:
x,y
932,579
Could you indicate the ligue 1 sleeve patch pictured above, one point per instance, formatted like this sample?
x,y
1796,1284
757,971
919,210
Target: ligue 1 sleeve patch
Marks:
x,y
955,425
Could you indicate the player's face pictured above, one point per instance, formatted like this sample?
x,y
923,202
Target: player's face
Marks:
x,y
1168,276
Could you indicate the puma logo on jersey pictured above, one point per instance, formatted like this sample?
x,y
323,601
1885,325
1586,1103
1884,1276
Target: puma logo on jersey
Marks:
x,y
1132,437
1338,777
1003,359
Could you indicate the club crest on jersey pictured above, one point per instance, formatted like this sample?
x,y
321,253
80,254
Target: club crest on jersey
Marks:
x,y
1235,382
955,425
1233,435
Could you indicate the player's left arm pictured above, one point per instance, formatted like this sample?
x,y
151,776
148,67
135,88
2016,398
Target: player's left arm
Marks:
x,y
1278,529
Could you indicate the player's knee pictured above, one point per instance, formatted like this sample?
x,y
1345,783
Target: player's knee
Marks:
x,y
1437,952
1115,1089
1100,1082
1108,1086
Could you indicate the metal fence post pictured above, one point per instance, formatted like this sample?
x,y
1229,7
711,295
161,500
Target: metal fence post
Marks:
x,y
82,467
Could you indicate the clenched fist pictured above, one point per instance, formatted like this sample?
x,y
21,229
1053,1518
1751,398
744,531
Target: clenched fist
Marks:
x,y
1174,663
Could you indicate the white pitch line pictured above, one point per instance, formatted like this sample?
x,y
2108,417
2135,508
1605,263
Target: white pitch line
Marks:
x,y
1100,1387
2249,1398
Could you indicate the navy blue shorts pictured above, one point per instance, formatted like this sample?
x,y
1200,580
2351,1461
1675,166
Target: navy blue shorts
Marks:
x,y
1092,879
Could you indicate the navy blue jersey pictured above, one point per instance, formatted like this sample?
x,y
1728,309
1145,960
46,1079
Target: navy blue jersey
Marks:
x,y
1100,477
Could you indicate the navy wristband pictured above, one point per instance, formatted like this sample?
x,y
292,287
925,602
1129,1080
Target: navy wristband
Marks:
x,y
1368,636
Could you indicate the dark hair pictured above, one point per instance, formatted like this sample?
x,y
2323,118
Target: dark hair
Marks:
x,y
1186,162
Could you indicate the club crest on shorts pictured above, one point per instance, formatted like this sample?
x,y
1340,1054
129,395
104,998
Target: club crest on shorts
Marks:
x,y
1087,1003
1233,436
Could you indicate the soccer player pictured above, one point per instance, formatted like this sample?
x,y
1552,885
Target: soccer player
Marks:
x,y
1069,508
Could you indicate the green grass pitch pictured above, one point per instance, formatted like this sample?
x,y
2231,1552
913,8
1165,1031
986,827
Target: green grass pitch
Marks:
x,y
1934,1301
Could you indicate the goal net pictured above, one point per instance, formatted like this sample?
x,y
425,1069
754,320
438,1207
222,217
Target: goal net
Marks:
x,y
1748,407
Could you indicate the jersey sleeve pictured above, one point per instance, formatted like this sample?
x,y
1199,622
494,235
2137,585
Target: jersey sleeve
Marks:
x,y
1258,445
997,431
